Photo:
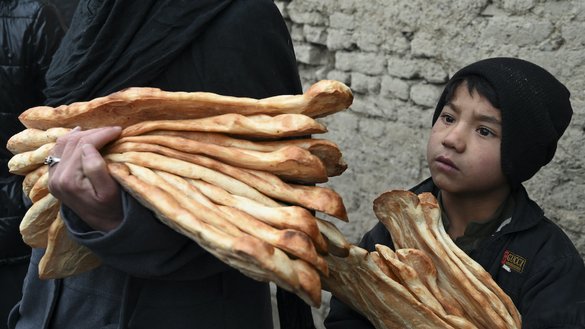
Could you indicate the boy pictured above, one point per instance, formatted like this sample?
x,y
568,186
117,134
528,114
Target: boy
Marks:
x,y
496,124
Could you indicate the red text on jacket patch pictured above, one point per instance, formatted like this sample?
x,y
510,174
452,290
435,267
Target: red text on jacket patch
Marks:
x,y
513,262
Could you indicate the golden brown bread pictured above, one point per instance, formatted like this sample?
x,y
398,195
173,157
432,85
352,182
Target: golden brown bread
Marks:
x,y
133,105
415,222
246,253
428,282
224,192
337,244
35,224
23,163
290,217
291,162
311,197
40,189
327,151
64,257
255,126
190,170
427,271
410,279
31,139
360,283
229,220
32,177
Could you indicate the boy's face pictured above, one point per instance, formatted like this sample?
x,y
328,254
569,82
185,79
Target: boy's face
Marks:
x,y
463,151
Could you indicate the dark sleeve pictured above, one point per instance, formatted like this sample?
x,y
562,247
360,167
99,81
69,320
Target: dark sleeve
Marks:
x,y
12,209
47,31
341,316
554,296
144,247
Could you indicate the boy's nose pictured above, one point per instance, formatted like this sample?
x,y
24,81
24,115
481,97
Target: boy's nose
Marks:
x,y
454,139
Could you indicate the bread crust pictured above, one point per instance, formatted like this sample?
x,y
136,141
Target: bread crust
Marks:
x,y
138,104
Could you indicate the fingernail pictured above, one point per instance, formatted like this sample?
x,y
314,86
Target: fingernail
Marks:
x,y
78,128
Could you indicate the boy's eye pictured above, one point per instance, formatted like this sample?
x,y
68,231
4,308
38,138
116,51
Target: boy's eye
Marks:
x,y
447,118
485,132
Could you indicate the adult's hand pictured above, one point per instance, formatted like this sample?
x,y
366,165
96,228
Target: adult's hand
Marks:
x,y
81,179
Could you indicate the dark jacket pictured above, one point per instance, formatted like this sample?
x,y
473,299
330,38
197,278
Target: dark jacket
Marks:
x,y
548,288
30,31
154,277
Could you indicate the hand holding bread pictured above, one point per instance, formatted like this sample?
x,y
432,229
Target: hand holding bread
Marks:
x,y
214,168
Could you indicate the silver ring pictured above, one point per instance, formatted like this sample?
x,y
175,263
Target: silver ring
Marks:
x,y
51,160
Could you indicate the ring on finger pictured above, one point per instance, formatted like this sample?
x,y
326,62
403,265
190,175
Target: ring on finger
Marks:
x,y
51,160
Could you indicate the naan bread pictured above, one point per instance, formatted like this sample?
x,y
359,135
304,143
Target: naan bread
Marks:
x,y
64,257
138,104
255,126
327,151
244,252
35,224
31,139
24,163
291,163
312,197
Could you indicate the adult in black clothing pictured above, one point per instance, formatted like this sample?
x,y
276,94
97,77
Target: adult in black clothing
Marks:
x,y
152,276
30,32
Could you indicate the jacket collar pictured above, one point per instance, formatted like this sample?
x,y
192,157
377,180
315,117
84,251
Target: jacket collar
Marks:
x,y
526,213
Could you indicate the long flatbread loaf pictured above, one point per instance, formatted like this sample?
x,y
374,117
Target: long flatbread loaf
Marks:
x,y
23,163
32,177
247,254
311,197
35,224
415,222
291,162
40,189
64,257
190,170
359,282
327,151
257,126
31,139
293,242
136,104
291,217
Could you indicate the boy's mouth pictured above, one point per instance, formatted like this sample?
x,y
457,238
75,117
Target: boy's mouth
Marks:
x,y
444,161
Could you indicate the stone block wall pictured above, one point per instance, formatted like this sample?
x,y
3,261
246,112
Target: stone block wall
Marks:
x,y
396,56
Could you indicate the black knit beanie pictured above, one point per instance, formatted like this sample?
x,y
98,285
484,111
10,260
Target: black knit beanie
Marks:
x,y
535,110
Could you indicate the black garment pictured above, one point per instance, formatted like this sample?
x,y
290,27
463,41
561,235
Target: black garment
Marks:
x,y
154,277
30,32
549,290
66,9
114,44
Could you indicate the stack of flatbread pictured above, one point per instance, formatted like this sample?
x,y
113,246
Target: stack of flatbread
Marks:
x,y
237,175
427,282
